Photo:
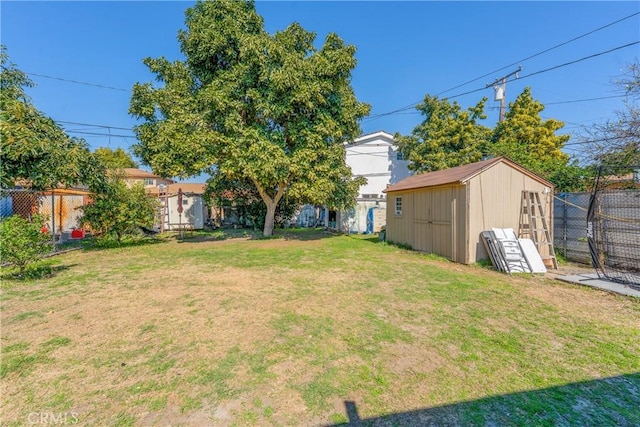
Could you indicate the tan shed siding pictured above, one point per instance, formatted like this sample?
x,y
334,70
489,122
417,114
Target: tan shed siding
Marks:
x,y
399,227
460,235
494,201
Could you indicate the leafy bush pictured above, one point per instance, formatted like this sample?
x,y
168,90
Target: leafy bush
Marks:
x,y
23,241
119,210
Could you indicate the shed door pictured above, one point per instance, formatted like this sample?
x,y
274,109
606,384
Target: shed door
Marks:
x,y
433,213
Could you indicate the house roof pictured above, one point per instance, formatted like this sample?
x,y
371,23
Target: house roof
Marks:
x,y
370,137
139,173
187,187
457,175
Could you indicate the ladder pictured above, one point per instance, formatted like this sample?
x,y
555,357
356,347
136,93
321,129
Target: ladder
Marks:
x,y
163,211
533,224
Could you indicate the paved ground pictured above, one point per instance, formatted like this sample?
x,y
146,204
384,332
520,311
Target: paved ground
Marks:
x,y
585,275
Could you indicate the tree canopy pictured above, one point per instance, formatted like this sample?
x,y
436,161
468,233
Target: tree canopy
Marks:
x,y
447,137
450,136
272,110
115,159
33,147
527,139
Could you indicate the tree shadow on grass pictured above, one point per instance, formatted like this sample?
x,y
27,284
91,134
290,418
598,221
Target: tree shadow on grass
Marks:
x,y
102,245
303,234
41,270
606,401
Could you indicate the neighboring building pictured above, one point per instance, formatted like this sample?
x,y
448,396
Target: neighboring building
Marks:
x,y
194,210
134,176
445,212
375,157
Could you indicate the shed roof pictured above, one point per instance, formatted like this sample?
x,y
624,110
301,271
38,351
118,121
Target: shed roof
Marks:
x,y
458,175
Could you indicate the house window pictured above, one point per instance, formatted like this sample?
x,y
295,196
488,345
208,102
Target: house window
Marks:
x,y
149,181
399,156
398,206
185,202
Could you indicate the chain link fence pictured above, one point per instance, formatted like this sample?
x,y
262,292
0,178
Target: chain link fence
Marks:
x,y
570,226
62,209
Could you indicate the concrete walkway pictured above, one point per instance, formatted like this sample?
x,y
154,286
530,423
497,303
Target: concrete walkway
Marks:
x,y
592,279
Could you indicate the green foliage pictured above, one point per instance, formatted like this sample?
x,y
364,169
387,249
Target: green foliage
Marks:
x,y
115,159
528,140
33,147
272,110
447,137
119,210
23,241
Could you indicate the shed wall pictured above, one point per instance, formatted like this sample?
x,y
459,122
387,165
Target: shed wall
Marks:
x,y
494,201
432,221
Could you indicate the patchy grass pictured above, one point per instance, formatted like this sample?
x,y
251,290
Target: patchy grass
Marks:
x,y
224,328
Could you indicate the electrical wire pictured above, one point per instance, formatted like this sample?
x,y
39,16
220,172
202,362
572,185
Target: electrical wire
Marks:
x,y
541,52
78,82
94,125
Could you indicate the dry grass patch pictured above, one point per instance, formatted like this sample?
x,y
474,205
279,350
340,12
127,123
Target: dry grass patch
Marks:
x,y
285,331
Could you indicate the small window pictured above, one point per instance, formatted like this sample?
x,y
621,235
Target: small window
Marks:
x,y
185,202
398,206
149,181
399,156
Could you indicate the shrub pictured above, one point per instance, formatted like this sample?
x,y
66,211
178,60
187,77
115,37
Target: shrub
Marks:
x,y
22,241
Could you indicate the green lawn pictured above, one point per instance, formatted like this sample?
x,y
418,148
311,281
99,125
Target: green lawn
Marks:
x,y
310,329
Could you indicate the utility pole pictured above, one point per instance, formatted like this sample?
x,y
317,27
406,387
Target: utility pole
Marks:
x,y
500,89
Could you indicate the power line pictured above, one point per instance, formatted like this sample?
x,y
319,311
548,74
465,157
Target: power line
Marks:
x,y
94,125
103,134
581,59
541,52
373,117
584,100
78,82
377,116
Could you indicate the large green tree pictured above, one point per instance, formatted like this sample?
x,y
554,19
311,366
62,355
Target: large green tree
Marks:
x,y
115,159
447,137
33,147
271,109
527,139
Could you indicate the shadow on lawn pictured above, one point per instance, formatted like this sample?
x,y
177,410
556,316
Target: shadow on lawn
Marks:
x,y
41,270
606,401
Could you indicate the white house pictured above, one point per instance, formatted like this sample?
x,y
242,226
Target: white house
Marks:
x,y
375,157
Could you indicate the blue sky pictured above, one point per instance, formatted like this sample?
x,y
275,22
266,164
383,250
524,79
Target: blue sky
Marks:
x,y
405,50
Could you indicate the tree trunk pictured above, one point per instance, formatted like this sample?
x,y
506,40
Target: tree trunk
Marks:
x,y
269,219
271,204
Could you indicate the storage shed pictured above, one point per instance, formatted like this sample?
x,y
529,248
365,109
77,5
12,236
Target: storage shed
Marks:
x,y
444,212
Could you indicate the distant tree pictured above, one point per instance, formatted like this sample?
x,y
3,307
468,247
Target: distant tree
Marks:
x,y
33,147
617,142
270,109
528,140
23,241
119,210
447,137
115,159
